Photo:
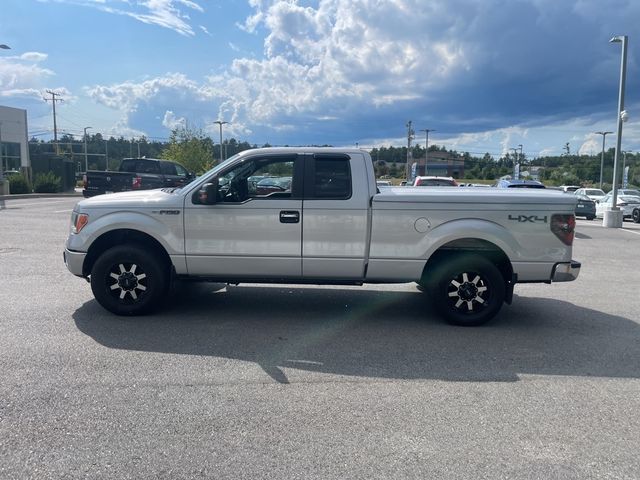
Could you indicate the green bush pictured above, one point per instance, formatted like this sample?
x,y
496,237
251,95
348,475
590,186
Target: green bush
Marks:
x,y
18,184
47,183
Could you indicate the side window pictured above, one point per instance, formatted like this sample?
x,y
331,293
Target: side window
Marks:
x,y
181,171
257,179
168,168
332,178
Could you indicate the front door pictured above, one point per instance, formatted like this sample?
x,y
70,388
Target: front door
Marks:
x,y
255,228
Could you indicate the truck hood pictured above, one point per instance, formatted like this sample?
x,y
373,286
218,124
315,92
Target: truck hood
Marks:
x,y
137,199
471,195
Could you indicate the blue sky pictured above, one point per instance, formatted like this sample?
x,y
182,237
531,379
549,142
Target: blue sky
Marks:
x,y
487,75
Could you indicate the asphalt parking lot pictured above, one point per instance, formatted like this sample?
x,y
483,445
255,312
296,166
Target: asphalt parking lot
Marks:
x,y
280,382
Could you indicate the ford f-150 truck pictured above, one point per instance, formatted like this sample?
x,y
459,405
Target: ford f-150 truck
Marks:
x,y
136,174
327,224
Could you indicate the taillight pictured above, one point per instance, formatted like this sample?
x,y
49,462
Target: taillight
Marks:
x,y
136,182
564,226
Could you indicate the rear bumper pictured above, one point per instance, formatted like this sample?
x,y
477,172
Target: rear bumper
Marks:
x,y
74,261
565,271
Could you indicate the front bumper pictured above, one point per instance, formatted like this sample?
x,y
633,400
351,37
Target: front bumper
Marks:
x,y
74,261
565,271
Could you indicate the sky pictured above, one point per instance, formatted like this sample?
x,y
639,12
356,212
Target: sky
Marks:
x,y
484,75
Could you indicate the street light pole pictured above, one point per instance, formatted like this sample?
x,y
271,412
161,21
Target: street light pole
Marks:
x,y
614,219
220,123
86,158
604,135
426,151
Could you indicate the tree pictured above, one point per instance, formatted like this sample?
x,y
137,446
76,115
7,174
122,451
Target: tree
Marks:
x,y
191,148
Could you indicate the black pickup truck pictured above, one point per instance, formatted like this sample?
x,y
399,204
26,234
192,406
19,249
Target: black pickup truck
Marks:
x,y
136,174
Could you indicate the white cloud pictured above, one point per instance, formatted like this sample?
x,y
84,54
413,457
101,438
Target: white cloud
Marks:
x,y
164,13
171,121
34,56
21,79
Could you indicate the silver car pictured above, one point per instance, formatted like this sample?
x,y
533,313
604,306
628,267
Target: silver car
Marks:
x,y
626,203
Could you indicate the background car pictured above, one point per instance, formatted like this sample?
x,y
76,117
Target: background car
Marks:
x,y
569,188
504,183
629,191
273,184
585,207
593,193
626,203
431,181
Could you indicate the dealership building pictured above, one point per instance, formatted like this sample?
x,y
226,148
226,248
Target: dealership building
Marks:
x,y
14,144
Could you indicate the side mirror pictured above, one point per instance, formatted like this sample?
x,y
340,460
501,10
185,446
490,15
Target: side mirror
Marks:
x,y
208,193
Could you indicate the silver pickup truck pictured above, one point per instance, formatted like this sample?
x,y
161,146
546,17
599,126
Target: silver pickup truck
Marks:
x,y
315,216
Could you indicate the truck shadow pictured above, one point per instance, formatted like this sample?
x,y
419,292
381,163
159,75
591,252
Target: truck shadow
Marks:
x,y
376,334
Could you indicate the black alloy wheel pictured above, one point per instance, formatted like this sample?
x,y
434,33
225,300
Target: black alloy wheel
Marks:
x,y
469,290
127,280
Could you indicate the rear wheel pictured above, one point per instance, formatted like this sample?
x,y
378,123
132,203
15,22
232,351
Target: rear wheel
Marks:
x,y
127,280
636,215
591,217
467,290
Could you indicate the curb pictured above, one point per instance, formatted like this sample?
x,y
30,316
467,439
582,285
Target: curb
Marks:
x,y
40,195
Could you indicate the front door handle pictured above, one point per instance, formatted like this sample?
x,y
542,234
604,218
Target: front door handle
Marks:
x,y
289,216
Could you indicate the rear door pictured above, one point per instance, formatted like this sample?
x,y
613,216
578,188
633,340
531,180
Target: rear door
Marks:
x,y
336,217
250,232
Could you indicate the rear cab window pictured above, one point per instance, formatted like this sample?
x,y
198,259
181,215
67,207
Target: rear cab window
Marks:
x,y
328,177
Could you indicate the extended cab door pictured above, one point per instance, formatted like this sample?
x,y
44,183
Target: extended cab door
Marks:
x,y
335,231
255,228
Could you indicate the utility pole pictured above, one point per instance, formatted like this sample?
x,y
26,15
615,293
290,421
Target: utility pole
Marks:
x,y
53,101
106,154
86,158
220,123
604,134
426,146
410,134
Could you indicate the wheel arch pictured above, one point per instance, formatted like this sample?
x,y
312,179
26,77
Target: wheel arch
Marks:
x,y
475,246
123,236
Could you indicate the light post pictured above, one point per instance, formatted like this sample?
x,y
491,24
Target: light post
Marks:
x,y
220,123
613,217
604,135
86,158
3,47
426,146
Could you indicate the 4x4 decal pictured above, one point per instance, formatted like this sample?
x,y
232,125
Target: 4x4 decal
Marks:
x,y
528,218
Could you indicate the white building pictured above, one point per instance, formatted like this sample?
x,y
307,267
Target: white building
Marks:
x,y
14,142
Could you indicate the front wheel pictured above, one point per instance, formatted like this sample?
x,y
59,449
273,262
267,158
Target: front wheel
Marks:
x,y
636,215
127,280
467,290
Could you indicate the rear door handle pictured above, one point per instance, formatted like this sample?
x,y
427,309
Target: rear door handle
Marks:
x,y
289,216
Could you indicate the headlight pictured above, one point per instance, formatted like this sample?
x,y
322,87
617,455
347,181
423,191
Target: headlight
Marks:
x,y
78,221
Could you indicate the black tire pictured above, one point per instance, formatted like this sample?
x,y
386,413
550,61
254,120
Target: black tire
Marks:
x,y
127,280
467,290
591,217
635,215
